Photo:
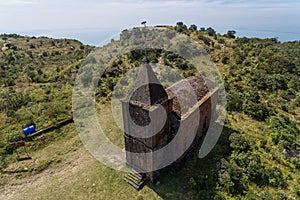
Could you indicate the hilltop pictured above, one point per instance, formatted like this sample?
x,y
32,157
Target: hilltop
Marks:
x,y
263,102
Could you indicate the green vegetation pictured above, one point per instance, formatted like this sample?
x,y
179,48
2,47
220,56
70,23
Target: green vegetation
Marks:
x,y
37,75
263,102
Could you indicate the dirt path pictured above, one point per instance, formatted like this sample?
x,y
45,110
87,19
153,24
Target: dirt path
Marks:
x,y
14,186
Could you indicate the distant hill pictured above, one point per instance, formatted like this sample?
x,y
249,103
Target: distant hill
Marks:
x,y
263,102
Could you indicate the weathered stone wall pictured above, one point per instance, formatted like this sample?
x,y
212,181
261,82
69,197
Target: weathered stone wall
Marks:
x,y
184,126
192,128
158,128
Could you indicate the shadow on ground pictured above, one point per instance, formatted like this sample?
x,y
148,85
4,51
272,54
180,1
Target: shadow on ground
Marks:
x,y
198,178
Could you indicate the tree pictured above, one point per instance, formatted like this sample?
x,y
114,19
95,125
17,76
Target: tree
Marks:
x,y
210,31
4,39
180,27
258,111
231,34
204,39
234,100
193,28
238,142
202,29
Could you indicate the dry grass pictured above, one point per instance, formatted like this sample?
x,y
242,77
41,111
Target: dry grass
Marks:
x,y
63,169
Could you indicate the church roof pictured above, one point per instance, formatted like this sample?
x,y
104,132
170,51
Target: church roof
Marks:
x,y
186,93
147,89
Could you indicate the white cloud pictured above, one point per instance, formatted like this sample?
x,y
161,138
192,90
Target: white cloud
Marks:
x,y
18,2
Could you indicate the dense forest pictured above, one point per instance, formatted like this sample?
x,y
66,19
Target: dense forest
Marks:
x,y
262,86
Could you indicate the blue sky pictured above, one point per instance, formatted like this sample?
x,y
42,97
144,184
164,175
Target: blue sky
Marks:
x,y
91,21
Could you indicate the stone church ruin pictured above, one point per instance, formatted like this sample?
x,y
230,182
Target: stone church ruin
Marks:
x,y
162,125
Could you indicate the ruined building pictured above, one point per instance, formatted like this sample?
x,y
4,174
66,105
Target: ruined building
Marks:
x,y
162,125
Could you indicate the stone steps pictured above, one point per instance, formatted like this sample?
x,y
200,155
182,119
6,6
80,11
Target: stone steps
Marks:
x,y
135,179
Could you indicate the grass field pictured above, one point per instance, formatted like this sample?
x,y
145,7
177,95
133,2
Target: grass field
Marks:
x,y
61,168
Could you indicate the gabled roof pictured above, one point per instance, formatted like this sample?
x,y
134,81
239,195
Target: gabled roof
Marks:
x,y
186,93
147,89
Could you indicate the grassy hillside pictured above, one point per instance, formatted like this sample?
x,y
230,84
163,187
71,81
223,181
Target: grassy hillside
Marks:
x,y
262,85
37,75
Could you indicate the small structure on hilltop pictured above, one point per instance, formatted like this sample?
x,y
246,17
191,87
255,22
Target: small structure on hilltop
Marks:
x,y
187,106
